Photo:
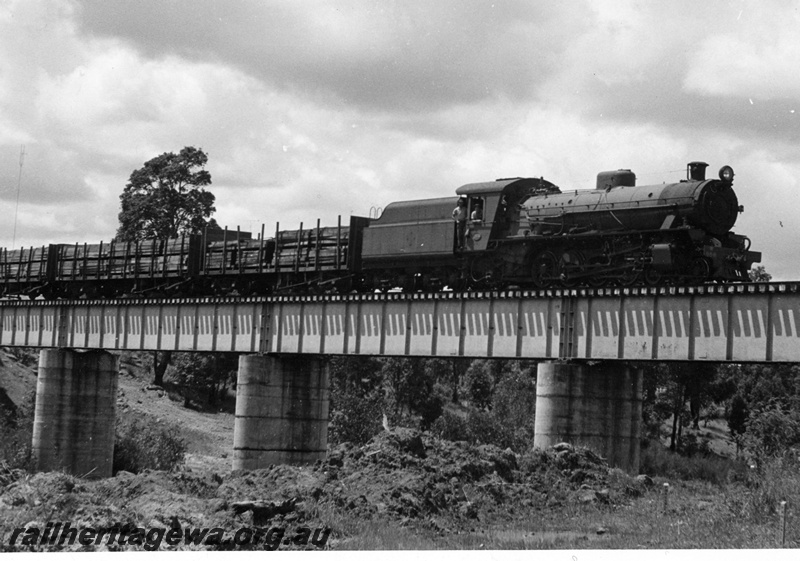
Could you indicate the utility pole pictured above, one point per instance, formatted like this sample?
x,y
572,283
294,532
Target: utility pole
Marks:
x,y
19,184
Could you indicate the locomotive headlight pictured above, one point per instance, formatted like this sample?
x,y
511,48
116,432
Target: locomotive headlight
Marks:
x,y
726,174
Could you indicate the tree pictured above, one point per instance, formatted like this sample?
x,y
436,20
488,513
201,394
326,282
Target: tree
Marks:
x,y
759,274
737,419
165,198
357,400
411,390
479,381
209,373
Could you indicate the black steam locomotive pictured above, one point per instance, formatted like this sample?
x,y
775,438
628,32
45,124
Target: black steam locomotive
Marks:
x,y
520,232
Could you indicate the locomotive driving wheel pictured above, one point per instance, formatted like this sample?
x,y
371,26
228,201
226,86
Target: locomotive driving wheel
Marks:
x,y
700,269
628,276
544,270
652,277
596,267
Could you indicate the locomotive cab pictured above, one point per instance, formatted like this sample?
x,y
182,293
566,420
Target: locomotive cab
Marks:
x,y
494,209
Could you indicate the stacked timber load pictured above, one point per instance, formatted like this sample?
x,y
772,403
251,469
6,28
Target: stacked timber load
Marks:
x,y
115,260
245,255
315,248
23,264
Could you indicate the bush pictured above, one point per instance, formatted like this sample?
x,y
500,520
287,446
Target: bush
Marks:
x,y
144,444
451,426
478,382
204,376
773,480
690,444
514,405
23,355
771,431
16,435
477,427
355,418
657,460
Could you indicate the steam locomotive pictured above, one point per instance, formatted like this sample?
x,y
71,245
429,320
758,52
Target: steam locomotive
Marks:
x,y
517,232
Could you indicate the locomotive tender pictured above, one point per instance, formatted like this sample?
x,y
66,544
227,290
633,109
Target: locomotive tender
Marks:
x,y
521,232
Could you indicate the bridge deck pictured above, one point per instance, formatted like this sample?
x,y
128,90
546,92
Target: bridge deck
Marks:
x,y
753,322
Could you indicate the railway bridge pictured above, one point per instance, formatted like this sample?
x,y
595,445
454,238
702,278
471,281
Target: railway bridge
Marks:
x,y
589,342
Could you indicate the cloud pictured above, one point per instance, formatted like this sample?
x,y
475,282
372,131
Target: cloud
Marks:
x,y
756,58
311,110
377,56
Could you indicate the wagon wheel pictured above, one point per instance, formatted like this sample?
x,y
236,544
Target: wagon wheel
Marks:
x,y
652,277
571,263
544,269
629,276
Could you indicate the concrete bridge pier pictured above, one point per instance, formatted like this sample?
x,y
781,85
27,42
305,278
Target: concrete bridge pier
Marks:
x,y
282,406
598,406
76,405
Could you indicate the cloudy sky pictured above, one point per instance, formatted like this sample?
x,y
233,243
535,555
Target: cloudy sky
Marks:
x,y
313,109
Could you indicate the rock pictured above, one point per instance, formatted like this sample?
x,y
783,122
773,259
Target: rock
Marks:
x,y
600,531
578,476
335,458
505,461
217,505
410,441
633,491
563,447
603,496
553,502
262,510
468,510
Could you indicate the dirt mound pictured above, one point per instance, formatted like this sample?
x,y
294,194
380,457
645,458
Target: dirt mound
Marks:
x,y
411,475
403,476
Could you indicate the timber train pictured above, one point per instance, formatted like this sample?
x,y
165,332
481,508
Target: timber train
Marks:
x,y
520,232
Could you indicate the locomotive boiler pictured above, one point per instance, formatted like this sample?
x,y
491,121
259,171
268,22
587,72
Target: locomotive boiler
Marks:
x,y
676,232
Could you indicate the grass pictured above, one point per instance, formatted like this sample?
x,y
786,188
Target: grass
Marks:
x,y
656,460
689,523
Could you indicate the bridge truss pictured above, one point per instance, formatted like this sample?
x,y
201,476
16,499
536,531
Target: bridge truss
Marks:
x,y
738,323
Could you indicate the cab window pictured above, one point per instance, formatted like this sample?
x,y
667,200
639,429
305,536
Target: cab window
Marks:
x,y
476,209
